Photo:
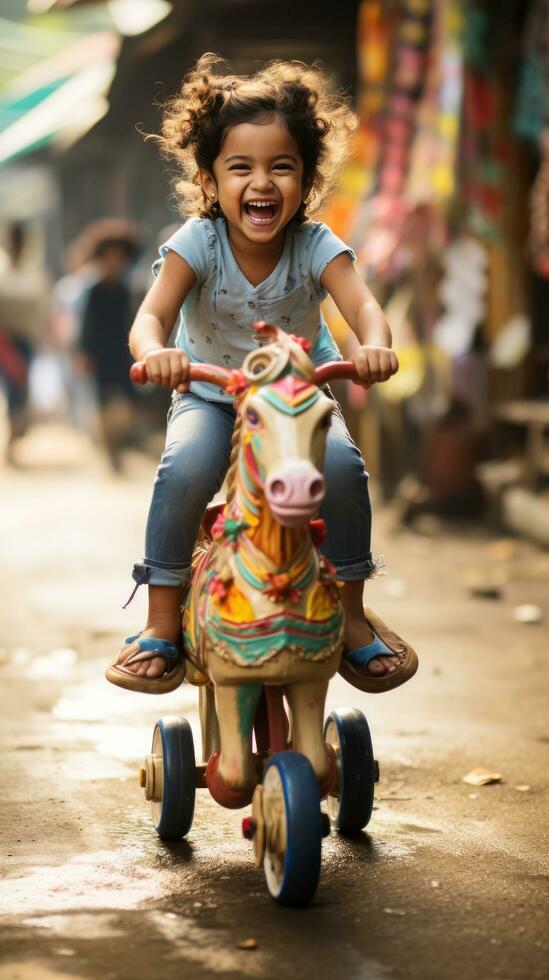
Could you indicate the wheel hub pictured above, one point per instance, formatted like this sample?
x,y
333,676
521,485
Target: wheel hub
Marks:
x,y
259,832
151,778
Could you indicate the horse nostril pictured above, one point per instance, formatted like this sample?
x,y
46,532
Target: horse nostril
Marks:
x,y
316,488
278,488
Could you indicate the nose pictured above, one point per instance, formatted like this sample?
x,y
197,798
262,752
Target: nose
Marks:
x,y
295,491
261,180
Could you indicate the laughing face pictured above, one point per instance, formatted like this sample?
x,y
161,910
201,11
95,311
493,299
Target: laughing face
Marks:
x,y
257,179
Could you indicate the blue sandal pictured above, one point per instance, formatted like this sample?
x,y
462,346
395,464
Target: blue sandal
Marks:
x,y
386,643
149,648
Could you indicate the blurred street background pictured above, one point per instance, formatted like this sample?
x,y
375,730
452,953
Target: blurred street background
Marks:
x,y
446,202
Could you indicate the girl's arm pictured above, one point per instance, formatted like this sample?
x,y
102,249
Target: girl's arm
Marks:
x,y
166,366
374,360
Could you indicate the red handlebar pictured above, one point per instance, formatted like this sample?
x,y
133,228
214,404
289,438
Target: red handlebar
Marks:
x,y
138,373
334,370
197,372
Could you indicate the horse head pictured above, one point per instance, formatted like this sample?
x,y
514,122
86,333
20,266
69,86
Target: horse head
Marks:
x,y
284,420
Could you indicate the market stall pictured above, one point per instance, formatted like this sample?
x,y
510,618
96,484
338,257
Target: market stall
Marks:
x,y
446,204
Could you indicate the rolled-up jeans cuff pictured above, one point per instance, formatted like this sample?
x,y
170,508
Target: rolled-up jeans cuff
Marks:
x,y
160,573
356,569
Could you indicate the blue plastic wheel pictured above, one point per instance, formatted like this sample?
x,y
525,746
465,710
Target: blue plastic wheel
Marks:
x,y
351,800
174,780
293,828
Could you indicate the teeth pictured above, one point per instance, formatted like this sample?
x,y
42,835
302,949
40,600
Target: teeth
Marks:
x,y
263,204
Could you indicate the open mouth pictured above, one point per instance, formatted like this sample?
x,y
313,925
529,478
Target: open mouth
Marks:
x,y
261,212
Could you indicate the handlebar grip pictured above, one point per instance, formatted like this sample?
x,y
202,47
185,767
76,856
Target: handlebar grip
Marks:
x,y
138,373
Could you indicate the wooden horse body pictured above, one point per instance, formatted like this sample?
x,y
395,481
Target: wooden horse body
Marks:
x,y
264,606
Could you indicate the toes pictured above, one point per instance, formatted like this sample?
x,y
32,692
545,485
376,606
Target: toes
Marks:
x,y
382,665
142,668
125,655
139,668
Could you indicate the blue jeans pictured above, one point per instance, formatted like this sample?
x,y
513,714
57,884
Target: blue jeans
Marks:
x,y
192,470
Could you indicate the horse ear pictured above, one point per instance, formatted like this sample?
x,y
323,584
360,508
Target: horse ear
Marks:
x,y
267,331
335,370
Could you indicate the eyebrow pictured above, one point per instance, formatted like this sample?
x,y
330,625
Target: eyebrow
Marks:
x,y
242,156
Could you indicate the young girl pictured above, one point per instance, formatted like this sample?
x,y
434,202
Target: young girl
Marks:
x,y
258,154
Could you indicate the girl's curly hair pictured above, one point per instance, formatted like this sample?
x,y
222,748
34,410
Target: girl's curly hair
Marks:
x,y
210,102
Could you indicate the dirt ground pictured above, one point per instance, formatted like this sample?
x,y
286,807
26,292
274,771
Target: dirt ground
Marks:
x,y
450,880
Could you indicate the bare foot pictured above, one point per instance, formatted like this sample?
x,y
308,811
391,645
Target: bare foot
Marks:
x,y
359,634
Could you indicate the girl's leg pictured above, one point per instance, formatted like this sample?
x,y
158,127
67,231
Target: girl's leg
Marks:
x,y
191,471
348,515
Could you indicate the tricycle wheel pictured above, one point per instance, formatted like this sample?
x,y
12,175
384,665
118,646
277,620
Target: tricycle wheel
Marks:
x,y
351,800
293,828
172,763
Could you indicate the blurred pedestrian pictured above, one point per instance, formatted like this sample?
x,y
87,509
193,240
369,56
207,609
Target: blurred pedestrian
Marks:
x,y
103,342
69,297
23,317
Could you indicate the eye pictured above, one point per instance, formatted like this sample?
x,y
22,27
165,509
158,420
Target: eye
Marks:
x,y
253,418
325,422
239,166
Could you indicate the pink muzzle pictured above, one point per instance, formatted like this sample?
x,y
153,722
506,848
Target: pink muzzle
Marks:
x,y
294,492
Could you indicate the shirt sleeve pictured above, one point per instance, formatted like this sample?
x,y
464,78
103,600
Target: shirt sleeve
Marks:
x,y
323,246
190,243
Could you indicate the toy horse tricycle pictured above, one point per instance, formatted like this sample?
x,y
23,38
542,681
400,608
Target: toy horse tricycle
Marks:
x,y
262,630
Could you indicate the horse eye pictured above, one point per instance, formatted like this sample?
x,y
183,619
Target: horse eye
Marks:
x,y
326,422
253,418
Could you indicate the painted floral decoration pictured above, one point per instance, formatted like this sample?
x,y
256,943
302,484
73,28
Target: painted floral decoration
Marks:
x,y
281,588
237,382
229,528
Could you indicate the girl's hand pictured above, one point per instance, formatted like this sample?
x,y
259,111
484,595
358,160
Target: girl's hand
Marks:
x,y
375,364
168,367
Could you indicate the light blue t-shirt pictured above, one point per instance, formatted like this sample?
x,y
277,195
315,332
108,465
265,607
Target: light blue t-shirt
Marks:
x,y
215,323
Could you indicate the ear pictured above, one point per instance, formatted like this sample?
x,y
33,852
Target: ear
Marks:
x,y
209,186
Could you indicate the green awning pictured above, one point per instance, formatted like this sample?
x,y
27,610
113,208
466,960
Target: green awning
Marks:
x,y
13,109
56,69
62,94
70,105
